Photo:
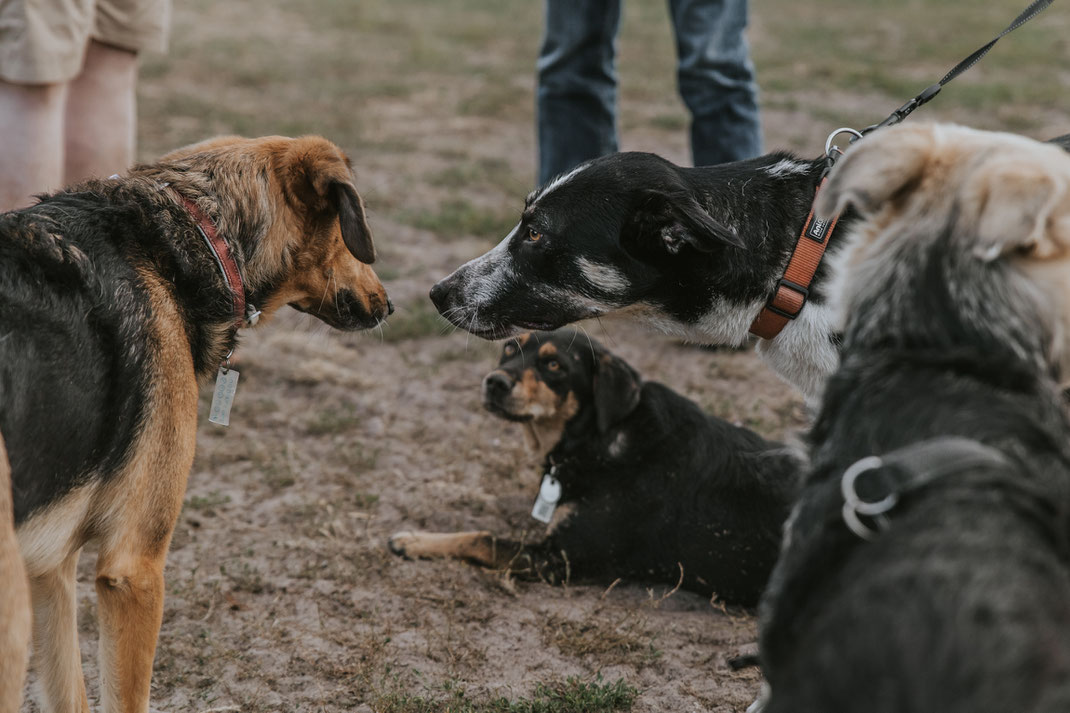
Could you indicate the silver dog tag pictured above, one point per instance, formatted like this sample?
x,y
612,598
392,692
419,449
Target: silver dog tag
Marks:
x,y
226,383
546,502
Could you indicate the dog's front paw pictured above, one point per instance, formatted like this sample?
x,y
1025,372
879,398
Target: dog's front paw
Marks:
x,y
400,542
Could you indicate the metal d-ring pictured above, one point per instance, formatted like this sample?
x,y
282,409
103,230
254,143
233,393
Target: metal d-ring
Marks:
x,y
829,147
226,361
853,505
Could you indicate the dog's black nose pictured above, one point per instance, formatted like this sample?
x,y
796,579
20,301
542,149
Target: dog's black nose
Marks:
x,y
497,383
439,294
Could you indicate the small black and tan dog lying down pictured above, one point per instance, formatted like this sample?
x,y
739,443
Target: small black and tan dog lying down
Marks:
x,y
116,298
651,485
925,566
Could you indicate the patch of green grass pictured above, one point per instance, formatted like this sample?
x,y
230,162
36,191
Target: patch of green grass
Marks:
x,y
207,503
457,217
570,696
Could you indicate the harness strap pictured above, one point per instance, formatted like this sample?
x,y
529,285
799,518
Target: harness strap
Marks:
x,y
889,476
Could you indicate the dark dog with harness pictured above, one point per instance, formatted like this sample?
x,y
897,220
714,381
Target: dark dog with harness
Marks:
x,y
925,566
709,254
653,489
116,298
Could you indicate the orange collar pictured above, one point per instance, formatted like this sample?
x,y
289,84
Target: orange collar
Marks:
x,y
221,253
792,290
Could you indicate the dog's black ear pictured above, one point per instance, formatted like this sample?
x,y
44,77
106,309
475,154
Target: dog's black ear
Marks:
x,y
351,219
616,390
680,220
318,177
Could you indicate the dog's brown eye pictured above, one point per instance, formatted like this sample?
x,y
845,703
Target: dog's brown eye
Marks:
x,y
534,235
553,365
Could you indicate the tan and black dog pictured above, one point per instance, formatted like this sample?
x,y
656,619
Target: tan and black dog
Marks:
x,y
654,489
116,298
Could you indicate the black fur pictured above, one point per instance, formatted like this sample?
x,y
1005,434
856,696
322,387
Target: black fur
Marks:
x,y
683,237
74,343
963,604
695,252
652,480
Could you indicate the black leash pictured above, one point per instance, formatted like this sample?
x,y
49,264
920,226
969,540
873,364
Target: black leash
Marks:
x,y
1034,9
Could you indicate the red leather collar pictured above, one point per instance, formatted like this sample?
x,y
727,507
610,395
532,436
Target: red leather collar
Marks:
x,y
220,252
792,290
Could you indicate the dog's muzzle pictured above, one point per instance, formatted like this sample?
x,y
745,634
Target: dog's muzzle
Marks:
x,y
347,312
498,396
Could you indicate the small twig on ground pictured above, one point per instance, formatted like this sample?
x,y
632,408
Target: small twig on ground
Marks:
x,y
610,588
672,591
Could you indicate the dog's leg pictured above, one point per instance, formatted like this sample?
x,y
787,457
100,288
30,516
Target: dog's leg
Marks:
x,y
537,560
129,582
134,543
130,591
480,547
14,600
56,658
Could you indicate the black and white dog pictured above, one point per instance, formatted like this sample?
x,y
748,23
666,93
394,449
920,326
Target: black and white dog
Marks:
x,y
652,488
925,564
695,252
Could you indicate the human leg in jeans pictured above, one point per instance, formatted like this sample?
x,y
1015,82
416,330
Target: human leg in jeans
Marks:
x,y
716,79
577,84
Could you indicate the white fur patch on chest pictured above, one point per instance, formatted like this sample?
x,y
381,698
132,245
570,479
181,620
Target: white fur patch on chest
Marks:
x,y
803,354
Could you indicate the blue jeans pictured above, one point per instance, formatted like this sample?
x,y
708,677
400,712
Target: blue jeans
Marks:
x,y
577,81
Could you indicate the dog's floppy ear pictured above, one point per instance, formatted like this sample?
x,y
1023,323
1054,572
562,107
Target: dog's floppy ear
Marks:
x,y
679,220
1021,206
876,168
355,231
616,390
319,175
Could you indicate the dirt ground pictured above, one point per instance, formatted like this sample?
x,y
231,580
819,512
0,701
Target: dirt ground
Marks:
x,y
281,592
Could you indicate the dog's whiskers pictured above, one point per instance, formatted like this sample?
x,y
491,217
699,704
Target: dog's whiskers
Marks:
x,y
590,342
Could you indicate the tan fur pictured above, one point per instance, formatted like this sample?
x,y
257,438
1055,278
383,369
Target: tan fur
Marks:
x,y
1010,197
543,433
14,600
277,185
478,547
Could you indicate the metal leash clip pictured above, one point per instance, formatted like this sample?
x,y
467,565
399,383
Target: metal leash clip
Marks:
x,y
854,506
832,151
